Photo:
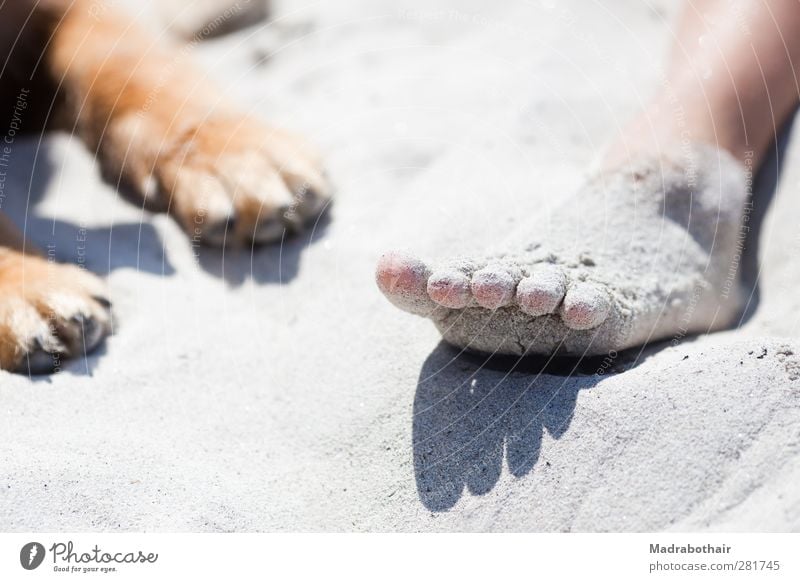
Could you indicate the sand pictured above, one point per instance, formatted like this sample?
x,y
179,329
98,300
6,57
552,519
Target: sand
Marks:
x,y
279,390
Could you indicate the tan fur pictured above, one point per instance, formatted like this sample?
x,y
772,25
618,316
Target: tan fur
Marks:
x,y
47,308
160,130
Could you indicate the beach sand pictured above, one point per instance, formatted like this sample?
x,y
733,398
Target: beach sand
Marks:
x,y
278,390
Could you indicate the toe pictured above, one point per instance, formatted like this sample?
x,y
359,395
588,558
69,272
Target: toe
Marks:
x,y
299,165
203,207
542,292
77,321
95,325
264,205
269,213
493,287
450,288
38,350
403,278
586,305
310,189
267,231
91,332
214,219
219,230
310,204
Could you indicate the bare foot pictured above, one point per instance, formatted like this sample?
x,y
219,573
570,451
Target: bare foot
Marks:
x,y
636,256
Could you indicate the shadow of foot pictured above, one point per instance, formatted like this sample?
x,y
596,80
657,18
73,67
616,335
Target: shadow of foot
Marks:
x,y
469,411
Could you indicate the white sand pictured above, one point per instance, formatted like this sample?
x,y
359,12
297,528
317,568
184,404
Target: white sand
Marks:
x,y
288,394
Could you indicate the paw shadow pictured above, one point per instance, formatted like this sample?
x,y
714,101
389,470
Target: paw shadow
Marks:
x,y
135,245
276,263
101,250
83,365
471,411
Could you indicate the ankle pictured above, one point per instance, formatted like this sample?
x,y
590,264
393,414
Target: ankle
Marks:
x,y
678,120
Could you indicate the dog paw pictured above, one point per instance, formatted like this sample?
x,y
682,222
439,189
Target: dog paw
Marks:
x,y
231,179
49,312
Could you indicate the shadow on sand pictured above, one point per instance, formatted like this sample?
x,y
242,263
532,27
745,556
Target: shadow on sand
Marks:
x,y
470,410
134,245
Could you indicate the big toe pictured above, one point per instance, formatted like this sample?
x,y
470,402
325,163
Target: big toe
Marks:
x,y
403,278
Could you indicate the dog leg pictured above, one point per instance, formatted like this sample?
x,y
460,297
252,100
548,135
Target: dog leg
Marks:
x,y
48,311
165,132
